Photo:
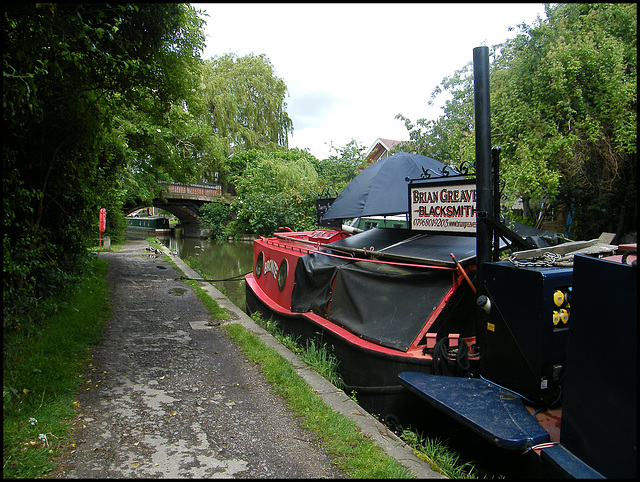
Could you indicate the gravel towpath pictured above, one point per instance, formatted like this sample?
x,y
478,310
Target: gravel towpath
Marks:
x,y
167,395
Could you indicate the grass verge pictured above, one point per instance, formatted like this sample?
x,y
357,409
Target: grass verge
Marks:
x,y
341,438
41,375
433,451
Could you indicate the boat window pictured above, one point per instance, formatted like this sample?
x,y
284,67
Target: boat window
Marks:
x,y
259,264
370,224
282,274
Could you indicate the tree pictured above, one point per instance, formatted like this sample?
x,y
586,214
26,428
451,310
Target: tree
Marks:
x,y
565,103
276,189
70,71
449,138
245,102
564,112
342,165
216,215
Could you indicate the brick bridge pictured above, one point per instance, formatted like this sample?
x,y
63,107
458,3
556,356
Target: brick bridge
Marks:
x,y
184,202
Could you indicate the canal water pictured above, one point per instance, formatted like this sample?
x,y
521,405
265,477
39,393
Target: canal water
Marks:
x,y
217,260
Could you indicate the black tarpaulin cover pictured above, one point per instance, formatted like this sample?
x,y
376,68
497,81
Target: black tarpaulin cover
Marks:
x,y
412,246
382,188
384,304
313,280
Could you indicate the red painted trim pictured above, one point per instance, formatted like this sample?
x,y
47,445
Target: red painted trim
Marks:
x,y
315,249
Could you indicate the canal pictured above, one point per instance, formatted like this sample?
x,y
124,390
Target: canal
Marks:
x,y
217,260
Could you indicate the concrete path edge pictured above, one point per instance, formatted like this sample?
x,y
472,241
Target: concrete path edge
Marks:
x,y
332,396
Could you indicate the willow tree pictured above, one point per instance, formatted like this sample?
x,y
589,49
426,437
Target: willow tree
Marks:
x,y
245,102
276,188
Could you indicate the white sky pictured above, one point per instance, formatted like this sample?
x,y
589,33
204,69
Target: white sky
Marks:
x,y
350,68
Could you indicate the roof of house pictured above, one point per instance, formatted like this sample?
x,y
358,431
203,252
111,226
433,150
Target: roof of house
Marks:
x,y
379,147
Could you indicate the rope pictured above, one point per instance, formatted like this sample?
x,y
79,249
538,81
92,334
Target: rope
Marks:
x,y
547,259
440,355
462,358
239,277
440,358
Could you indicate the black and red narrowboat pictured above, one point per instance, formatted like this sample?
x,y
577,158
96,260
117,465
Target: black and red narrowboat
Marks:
x,y
526,341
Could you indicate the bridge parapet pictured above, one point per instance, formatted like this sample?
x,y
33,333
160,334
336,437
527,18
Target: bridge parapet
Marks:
x,y
198,192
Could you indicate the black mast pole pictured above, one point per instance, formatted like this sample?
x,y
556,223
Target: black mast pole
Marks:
x,y
483,155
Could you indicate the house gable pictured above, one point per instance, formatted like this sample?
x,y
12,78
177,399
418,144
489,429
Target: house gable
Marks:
x,y
380,149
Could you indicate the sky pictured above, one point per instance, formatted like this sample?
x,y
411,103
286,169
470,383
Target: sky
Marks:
x,y
351,68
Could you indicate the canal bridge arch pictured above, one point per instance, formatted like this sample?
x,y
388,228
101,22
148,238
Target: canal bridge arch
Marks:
x,y
184,202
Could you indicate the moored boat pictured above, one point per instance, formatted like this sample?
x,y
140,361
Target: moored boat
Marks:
x,y
497,331
373,301
148,224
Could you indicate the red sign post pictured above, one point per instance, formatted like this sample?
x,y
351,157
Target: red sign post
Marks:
x,y
102,224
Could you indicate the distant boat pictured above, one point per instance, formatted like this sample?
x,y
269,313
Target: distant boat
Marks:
x,y
149,224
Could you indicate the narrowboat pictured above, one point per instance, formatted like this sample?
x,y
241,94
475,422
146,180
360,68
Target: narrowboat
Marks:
x,y
524,339
148,224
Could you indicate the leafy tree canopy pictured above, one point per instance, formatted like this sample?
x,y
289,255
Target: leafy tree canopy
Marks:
x,y
76,79
343,164
564,111
245,102
276,189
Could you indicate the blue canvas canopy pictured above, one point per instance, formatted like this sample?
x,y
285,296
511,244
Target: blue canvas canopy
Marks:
x,y
382,189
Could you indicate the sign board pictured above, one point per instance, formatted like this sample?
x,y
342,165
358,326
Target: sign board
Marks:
x,y
443,206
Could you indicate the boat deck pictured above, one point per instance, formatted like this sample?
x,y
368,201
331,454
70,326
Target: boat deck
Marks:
x,y
407,246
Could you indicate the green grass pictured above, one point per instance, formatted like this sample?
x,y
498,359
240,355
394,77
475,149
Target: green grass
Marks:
x,y
313,353
316,355
438,456
41,374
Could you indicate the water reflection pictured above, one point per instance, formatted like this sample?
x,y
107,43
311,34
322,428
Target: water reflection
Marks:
x,y
217,260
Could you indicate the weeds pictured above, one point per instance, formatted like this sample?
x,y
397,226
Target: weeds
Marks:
x,y
313,353
41,375
438,456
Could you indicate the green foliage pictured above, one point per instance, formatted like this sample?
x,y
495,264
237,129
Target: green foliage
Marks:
x,y
275,189
41,374
216,215
449,138
563,110
72,73
245,103
341,166
438,456
565,100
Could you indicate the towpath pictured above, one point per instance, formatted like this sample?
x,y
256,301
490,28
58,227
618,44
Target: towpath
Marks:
x,y
169,395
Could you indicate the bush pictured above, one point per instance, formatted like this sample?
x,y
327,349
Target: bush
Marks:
x,y
216,215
